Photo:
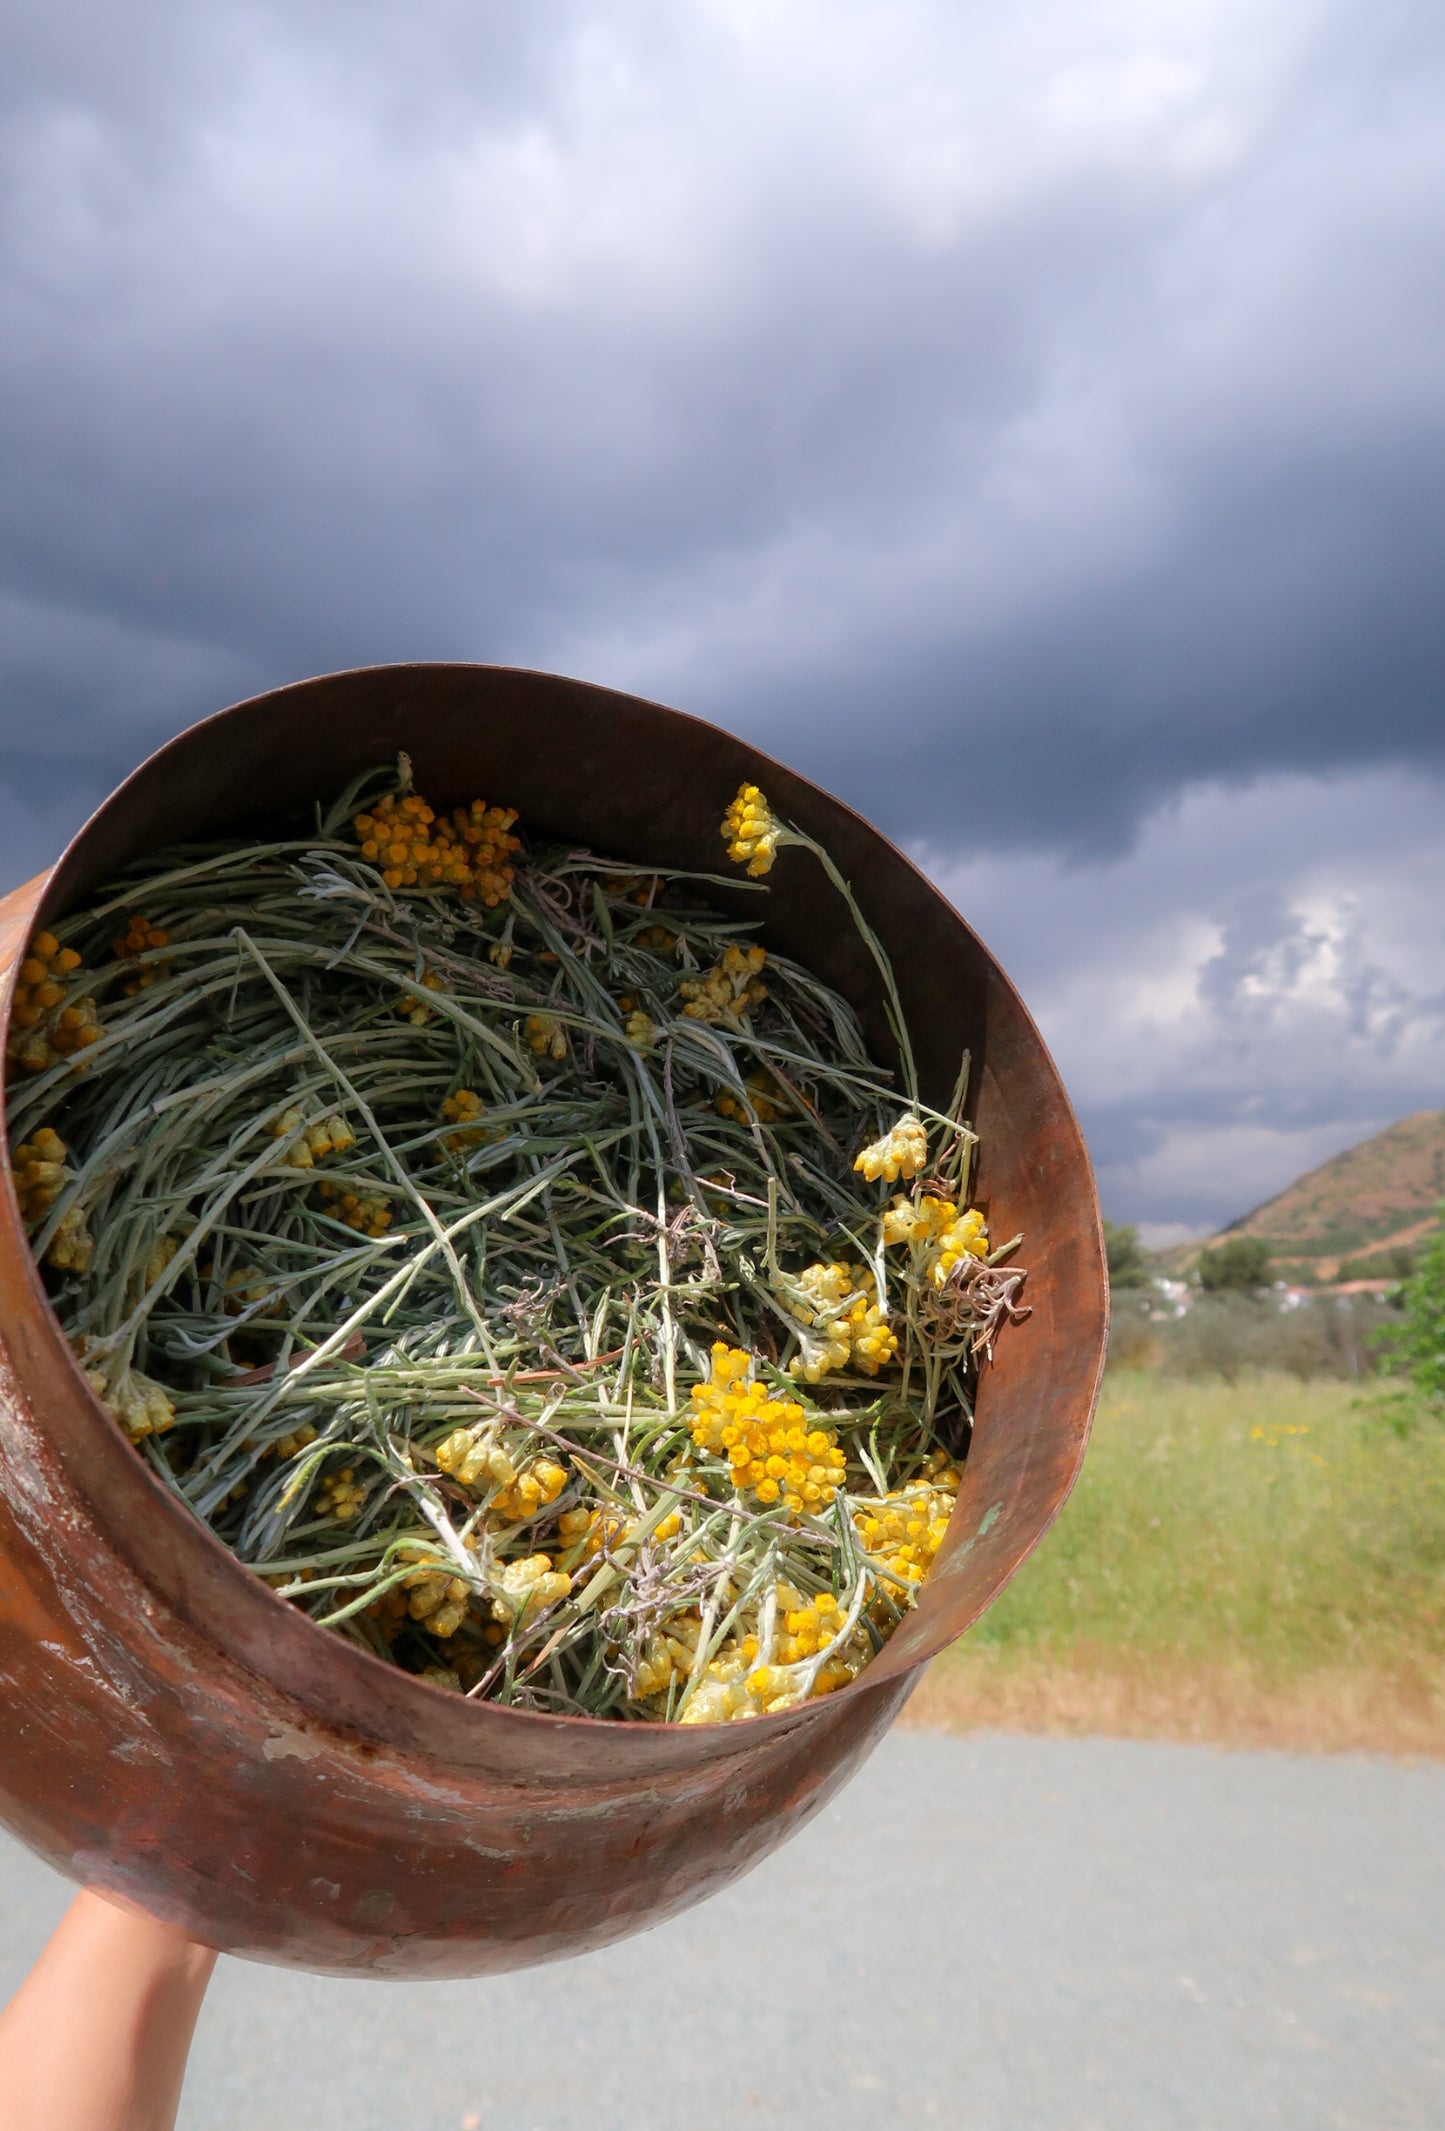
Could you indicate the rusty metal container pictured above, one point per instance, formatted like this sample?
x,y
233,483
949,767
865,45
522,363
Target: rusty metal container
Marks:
x,y
175,1732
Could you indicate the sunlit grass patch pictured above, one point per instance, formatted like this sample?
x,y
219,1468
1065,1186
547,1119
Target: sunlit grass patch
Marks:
x,y
1230,1552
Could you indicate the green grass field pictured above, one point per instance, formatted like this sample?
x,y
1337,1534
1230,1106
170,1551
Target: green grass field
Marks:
x,y
1258,1561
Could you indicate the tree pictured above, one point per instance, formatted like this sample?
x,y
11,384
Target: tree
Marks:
x,y
1238,1264
1127,1266
1417,1347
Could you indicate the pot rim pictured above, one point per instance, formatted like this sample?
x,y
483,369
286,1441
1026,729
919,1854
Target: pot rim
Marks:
x,y
53,896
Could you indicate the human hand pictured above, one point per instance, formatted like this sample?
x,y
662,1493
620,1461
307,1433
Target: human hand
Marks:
x,y
96,2038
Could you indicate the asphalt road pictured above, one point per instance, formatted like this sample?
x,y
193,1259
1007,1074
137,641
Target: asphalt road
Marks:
x,y
996,1934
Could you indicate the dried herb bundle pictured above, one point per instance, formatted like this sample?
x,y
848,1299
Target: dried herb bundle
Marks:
x,y
528,1275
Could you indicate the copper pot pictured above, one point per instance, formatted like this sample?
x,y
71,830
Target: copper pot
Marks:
x,y
175,1732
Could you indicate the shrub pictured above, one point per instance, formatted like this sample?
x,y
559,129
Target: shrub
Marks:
x,y
1415,1348
1133,1339
1234,1266
1127,1267
1227,1334
1397,1263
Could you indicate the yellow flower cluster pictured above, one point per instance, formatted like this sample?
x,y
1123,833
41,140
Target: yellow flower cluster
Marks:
x,y
638,888
905,1528
341,1496
141,937
528,1586
668,1655
639,1028
70,1247
735,1686
137,1401
839,1305
900,1153
657,940
43,1027
473,1457
667,1660
729,990
466,850
159,1256
599,1530
546,1037
330,1135
367,1212
765,1101
40,1172
431,1593
766,1440
415,1010
463,1109
244,1289
750,831
439,1603
291,1446
937,1229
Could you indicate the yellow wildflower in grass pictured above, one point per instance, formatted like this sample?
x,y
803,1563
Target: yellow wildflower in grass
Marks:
x,y
546,1036
903,1152
367,1212
463,1109
750,831
47,1025
141,937
769,1447
466,851
729,990
412,1009
937,1229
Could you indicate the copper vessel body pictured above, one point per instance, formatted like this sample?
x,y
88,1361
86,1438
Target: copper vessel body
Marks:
x,y
175,1732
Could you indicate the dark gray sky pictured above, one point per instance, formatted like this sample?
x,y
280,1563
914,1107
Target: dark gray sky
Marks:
x,y
1029,421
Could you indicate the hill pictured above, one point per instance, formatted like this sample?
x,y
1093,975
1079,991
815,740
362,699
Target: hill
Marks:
x,y
1349,1217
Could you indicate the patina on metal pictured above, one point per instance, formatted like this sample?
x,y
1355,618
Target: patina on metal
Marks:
x,y
177,1733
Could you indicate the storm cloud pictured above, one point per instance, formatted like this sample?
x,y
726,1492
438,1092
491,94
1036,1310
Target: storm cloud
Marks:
x,y
1029,422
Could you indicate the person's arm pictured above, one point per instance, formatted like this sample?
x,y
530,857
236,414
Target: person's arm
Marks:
x,y
97,2036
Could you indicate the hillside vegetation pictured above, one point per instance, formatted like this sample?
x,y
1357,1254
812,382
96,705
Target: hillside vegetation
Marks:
x,y
1354,1216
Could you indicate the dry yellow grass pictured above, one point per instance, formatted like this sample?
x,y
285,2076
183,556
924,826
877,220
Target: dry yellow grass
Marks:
x,y
1334,1710
1258,1565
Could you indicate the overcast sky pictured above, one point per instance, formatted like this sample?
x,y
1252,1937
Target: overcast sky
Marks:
x,y
1029,421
